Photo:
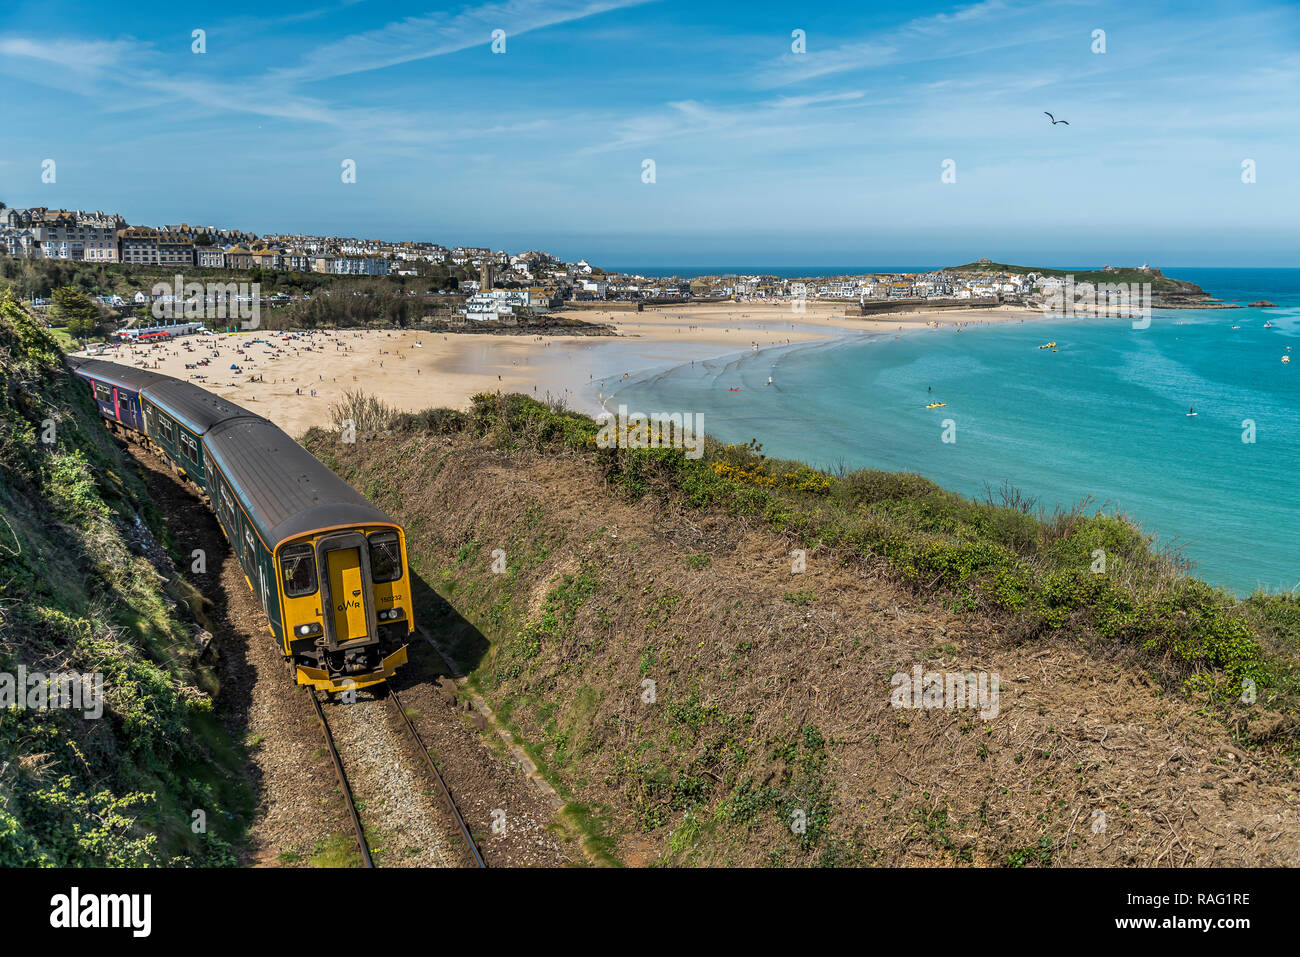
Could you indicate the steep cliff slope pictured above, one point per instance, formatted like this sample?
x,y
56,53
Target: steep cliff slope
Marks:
x,y
144,774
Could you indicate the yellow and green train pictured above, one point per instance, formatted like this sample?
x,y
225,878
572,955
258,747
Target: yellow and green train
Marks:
x,y
328,568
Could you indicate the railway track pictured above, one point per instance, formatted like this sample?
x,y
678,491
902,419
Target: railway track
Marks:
x,y
448,798
433,839
437,776
362,845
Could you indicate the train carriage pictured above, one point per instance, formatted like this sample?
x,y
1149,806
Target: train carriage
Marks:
x,y
176,417
116,390
328,568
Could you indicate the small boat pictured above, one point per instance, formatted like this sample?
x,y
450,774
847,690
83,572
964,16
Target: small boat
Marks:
x,y
936,405
733,390
1190,411
1050,345
1268,325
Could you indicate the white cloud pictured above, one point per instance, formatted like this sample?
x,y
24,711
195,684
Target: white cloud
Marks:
x,y
813,99
77,55
438,34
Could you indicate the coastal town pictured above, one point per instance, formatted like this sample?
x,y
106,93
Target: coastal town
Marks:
x,y
489,284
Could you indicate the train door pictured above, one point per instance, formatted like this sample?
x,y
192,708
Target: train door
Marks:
x,y
126,408
348,591
249,554
263,591
346,564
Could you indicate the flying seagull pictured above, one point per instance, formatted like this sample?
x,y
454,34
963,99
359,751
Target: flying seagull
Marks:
x,y
1054,119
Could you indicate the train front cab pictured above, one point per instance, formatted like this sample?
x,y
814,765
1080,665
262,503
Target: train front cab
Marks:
x,y
346,600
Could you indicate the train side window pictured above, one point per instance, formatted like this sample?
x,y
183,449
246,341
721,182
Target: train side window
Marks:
x,y
385,557
103,393
250,553
167,427
298,570
191,447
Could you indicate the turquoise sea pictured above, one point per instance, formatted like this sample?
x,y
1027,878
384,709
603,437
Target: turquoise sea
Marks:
x,y
1103,418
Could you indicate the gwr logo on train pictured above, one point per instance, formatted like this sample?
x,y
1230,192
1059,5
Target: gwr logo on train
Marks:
x,y
290,520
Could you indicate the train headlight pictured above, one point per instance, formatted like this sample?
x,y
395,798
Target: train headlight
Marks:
x,y
391,614
307,630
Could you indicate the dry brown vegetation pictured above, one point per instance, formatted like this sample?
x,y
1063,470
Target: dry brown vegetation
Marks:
x,y
772,689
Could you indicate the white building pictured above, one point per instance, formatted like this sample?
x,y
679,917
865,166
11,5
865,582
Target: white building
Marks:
x,y
20,243
352,265
79,240
495,303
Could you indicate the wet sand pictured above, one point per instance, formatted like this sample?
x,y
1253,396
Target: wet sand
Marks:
x,y
293,378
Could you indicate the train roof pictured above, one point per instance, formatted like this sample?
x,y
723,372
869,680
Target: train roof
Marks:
x,y
196,409
117,374
287,491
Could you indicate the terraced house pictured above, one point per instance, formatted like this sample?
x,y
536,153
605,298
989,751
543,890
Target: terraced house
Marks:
x,y
19,242
61,234
80,238
239,257
351,265
139,244
209,257
175,249
267,258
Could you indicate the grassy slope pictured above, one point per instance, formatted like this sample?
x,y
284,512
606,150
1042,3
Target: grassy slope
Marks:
x,y
1158,283
616,607
78,594
41,277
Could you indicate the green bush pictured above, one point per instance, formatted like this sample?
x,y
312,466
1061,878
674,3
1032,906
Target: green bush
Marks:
x,y
77,596
1003,555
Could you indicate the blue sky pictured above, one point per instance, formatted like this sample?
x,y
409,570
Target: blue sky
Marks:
x,y
762,155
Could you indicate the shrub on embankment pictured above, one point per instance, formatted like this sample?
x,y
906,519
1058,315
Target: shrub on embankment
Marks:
x,y
81,593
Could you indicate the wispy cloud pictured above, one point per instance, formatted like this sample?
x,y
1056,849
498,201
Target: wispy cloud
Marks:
x,y
813,99
130,74
77,55
797,67
438,34
963,32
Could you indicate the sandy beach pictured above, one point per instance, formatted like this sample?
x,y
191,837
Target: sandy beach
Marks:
x,y
293,378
